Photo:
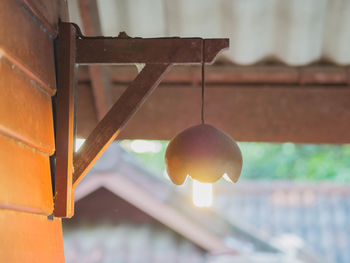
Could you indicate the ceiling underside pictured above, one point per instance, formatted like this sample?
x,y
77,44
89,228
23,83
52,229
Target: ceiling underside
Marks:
x,y
264,88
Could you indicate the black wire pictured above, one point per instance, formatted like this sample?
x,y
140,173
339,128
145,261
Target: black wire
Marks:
x,y
203,81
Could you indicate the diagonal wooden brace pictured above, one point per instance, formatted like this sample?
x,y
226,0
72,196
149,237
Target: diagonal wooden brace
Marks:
x,y
73,49
123,110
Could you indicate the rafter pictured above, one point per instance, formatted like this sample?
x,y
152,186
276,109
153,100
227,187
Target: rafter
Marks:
x,y
100,76
235,75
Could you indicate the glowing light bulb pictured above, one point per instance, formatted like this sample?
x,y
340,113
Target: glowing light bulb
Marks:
x,y
202,194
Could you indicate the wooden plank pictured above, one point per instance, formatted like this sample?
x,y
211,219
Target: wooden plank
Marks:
x,y
46,12
64,200
310,78
25,178
301,114
230,75
25,109
100,76
28,45
30,238
122,111
139,50
296,114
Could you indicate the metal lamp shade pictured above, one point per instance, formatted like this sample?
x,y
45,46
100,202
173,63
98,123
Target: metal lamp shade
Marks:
x,y
203,152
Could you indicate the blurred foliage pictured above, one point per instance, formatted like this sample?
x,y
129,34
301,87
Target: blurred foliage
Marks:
x,y
296,161
285,161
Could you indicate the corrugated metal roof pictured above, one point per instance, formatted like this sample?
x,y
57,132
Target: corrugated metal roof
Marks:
x,y
296,32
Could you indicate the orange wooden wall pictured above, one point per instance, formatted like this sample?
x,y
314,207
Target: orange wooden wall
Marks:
x,y
27,82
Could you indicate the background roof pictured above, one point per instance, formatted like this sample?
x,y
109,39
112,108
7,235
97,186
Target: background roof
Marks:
x,y
249,218
316,214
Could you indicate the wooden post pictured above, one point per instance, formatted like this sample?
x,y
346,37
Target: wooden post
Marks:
x,y
64,197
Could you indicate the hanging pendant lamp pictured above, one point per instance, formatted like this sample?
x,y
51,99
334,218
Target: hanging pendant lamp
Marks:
x,y
203,152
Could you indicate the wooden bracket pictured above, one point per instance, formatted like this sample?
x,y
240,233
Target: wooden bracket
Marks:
x,y
158,55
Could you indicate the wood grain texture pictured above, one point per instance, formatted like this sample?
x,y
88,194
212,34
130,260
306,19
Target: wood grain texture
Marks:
x,y
64,199
233,75
25,109
24,41
25,178
121,112
181,99
46,12
151,50
29,238
301,114
27,70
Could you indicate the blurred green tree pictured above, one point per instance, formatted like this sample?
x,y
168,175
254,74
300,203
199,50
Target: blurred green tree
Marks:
x,y
274,161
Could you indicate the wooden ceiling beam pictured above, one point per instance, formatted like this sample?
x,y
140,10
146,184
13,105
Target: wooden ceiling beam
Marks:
x,y
100,76
278,113
230,74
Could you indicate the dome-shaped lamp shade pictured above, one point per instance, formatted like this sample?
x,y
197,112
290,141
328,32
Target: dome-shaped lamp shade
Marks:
x,y
203,152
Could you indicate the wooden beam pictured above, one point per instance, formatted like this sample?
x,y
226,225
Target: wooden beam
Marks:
x,y
90,18
124,50
265,113
100,77
268,114
64,197
122,111
26,44
232,75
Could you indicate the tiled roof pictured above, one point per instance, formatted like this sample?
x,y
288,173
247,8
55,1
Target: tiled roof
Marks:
x,y
120,173
319,214
247,217
127,243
